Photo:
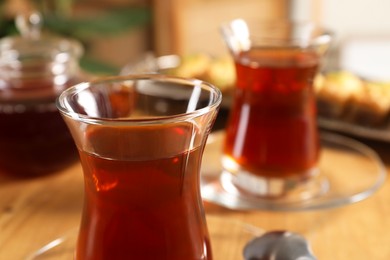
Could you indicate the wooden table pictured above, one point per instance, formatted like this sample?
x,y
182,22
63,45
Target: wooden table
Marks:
x,y
36,211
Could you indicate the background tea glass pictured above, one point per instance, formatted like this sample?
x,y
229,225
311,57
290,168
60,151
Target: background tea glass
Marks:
x,y
272,142
140,140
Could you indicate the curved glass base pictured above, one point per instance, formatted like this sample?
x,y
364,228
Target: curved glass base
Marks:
x,y
348,171
277,190
227,241
295,186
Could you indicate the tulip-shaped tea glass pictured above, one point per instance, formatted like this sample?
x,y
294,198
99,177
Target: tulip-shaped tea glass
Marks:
x,y
272,146
140,140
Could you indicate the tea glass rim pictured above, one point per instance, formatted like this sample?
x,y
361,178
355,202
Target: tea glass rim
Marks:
x,y
324,36
75,89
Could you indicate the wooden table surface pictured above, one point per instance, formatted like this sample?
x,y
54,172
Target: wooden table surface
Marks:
x,y
36,211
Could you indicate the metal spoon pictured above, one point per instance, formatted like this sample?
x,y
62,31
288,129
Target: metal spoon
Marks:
x,y
278,245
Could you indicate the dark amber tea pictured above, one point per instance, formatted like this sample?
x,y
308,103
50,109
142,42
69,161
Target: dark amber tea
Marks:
x,y
272,130
141,140
34,139
271,150
146,204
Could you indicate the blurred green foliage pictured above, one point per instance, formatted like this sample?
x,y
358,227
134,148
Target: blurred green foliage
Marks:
x,y
112,22
7,26
58,18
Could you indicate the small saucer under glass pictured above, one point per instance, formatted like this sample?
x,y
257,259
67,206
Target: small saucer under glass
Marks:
x,y
348,172
357,175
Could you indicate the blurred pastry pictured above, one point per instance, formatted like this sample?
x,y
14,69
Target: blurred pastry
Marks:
x,y
217,71
335,91
222,74
192,66
372,107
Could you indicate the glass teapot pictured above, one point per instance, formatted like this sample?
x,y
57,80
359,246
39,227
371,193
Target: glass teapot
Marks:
x,y
34,70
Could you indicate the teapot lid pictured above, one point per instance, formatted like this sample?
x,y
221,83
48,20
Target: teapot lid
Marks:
x,y
33,44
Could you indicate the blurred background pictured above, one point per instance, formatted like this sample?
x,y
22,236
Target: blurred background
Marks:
x,y
111,31
116,32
